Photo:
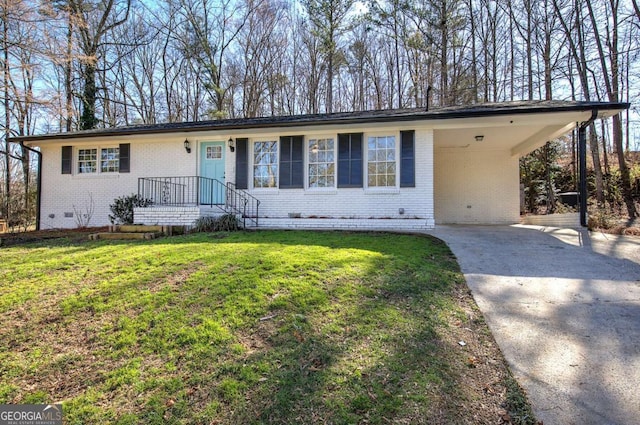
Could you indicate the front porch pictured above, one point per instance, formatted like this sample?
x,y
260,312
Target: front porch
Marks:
x,y
180,201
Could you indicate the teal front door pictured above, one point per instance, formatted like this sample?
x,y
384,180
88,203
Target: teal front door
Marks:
x,y
212,168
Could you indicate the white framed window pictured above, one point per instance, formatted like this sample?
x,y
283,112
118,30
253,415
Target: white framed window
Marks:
x,y
265,164
98,160
87,161
321,163
381,161
109,160
214,152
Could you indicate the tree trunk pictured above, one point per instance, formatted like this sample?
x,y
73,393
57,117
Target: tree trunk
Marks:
x,y
474,60
67,77
636,8
597,167
397,52
494,51
444,46
529,50
547,65
551,196
329,105
625,176
88,119
26,168
574,159
605,154
512,71
7,116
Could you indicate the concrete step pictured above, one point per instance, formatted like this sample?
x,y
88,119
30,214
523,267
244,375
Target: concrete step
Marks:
x,y
124,235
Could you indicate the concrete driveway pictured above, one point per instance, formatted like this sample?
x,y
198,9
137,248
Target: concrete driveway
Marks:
x,y
564,307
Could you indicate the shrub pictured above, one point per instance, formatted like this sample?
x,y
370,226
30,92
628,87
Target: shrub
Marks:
x,y
602,219
564,208
228,223
224,223
122,208
83,215
205,224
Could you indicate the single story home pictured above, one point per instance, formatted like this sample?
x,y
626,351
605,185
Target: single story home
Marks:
x,y
407,169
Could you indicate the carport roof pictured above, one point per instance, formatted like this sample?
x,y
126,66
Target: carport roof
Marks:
x,y
603,109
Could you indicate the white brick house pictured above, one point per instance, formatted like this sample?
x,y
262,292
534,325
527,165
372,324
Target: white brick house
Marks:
x,y
396,169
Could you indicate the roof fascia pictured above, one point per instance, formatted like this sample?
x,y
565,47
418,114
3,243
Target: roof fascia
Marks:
x,y
604,110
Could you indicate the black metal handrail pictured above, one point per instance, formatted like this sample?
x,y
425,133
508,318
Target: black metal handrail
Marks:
x,y
197,190
182,190
242,203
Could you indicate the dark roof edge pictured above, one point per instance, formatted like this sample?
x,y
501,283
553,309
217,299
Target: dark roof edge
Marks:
x,y
325,119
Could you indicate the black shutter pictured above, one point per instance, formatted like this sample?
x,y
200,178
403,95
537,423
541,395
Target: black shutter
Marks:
x,y
242,163
350,160
291,162
124,152
407,159
67,159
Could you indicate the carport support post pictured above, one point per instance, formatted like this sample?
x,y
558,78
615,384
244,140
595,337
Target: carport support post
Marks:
x,y
582,154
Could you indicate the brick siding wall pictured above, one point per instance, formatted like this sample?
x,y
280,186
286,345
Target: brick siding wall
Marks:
x,y
165,156
62,192
476,187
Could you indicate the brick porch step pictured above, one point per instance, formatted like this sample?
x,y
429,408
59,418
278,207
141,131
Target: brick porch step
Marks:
x,y
132,232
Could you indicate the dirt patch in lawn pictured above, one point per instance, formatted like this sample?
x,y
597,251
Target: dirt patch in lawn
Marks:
x,y
492,394
75,235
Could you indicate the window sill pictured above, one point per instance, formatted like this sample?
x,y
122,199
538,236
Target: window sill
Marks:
x,y
265,191
381,191
91,176
320,192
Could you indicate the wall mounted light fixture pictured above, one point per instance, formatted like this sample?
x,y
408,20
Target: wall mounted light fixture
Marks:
x,y
479,138
187,145
232,144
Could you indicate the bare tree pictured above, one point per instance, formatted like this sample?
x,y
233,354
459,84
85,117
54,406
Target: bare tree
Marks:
x,y
7,104
208,31
392,16
94,19
328,21
609,62
263,46
20,63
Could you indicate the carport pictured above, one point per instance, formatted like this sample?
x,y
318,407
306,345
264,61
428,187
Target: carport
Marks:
x,y
476,159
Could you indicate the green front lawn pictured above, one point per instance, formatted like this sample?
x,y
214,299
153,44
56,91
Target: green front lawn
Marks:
x,y
262,327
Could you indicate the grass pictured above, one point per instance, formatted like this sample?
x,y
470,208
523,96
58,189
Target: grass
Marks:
x,y
264,327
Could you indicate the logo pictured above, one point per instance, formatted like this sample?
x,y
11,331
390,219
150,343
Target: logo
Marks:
x,y
30,414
